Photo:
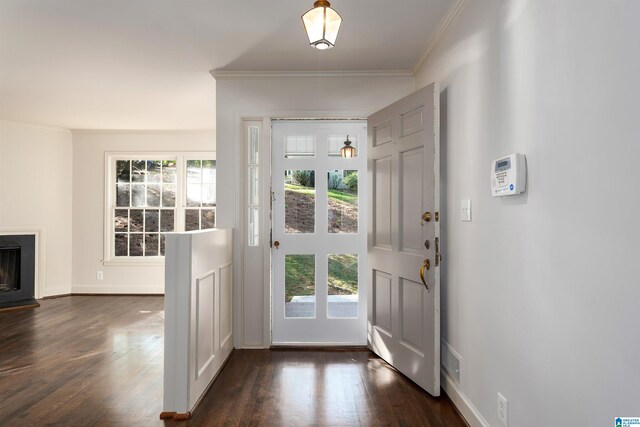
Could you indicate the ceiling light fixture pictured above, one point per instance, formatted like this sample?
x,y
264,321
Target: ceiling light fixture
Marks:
x,y
347,151
322,24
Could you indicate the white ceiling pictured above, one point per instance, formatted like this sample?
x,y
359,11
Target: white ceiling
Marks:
x,y
144,64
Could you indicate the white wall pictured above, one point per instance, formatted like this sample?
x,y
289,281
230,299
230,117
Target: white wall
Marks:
x,y
89,149
540,291
198,328
297,96
35,191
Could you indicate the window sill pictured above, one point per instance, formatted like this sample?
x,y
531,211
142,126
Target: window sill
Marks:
x,y
159,261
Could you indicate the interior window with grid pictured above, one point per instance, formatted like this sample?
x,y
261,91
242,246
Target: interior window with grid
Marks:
x,y
156,195
145,206
200,212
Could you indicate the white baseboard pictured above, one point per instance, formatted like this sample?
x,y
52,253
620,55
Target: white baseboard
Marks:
x,y
52,291
466,408
117,290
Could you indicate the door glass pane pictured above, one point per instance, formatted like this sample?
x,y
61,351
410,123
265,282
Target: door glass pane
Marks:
x,y
300,201
300,286
336,142
342,299
342,192
299,146
253,185
254,227
253,145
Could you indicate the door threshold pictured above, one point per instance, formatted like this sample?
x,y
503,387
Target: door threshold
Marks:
x,y
319,347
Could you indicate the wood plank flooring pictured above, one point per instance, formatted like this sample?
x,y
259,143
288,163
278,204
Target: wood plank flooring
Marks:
x,y
97,360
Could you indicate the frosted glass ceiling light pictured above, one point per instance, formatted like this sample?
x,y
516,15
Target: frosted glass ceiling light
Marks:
x,y
322,24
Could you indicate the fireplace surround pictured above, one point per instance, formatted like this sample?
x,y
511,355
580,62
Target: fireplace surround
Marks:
x,y
17,271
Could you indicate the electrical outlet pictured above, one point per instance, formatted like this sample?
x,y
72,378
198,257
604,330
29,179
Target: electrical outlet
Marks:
x,y
503,410
99,275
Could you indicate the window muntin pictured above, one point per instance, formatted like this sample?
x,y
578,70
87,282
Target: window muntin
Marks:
x,y
200,203
145,206
253,185
143,201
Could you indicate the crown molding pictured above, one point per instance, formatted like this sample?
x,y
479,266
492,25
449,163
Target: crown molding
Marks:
x,y
34,125
141,131
223,74
442,30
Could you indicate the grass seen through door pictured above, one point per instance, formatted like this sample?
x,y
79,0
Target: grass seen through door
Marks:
x,y
300,275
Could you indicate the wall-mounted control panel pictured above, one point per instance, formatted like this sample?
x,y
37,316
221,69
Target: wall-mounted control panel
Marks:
x,y
509,175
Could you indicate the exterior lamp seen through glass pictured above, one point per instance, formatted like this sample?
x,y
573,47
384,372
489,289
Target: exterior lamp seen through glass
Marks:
x,y
347,151
322,24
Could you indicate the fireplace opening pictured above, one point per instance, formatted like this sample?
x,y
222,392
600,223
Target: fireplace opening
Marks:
x,y
17,271
9,269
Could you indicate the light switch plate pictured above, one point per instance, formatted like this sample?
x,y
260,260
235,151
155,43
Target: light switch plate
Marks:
x,y
503,410
465,210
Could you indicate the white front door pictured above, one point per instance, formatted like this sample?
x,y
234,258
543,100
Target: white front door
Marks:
x,y
319,237
404,303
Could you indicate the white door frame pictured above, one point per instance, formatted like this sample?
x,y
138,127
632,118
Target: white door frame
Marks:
x,y
266,117
320,330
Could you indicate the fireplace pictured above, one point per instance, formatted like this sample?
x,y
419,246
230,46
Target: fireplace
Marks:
x,y
9,269
17,271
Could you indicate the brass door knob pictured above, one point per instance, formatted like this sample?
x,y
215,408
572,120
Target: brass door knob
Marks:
x,y
426,217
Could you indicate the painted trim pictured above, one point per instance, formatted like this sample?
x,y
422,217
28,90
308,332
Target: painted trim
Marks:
x,y
142,131
317,344
109,171
462,402
224,74
441,31
115,290
35,126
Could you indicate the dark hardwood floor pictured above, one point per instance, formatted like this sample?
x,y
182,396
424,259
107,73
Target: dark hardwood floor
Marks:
x,y
97,360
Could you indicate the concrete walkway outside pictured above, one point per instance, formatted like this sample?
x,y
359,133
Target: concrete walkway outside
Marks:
x,y
339,306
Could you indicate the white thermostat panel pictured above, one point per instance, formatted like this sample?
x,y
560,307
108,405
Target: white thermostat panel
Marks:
x,y
508,175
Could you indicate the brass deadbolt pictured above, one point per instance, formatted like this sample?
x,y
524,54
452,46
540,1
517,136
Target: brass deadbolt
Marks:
x,y
426,217
276,244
